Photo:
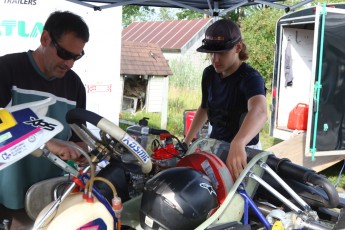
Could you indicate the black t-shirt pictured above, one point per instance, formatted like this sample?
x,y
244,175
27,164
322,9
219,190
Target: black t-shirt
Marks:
x,y
228,97
22,82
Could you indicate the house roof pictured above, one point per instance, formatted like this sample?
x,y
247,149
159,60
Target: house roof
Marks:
x,y
143,59
167,34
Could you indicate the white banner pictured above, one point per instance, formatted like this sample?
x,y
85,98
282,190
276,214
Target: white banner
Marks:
x,y
21,24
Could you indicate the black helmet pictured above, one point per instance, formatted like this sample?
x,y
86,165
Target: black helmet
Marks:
x,y
177,198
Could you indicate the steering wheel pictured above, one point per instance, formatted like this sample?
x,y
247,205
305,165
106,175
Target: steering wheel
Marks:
x,y
79,115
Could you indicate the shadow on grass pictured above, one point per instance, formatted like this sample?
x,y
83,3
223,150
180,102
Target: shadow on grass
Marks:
x,y
335,174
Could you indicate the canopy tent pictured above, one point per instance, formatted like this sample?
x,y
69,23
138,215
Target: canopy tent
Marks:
x,y
209,7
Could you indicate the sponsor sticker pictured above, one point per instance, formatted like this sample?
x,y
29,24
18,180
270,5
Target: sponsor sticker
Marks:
x,y
149,221
209,188
29,133
5,136
136,148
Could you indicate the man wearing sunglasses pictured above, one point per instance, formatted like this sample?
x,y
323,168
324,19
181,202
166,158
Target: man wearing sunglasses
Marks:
x,y
36,75
233,96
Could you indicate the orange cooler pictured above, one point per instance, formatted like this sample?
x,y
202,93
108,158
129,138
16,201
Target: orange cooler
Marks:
x,y
298,117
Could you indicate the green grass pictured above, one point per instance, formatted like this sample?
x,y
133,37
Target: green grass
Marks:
x,y
181,100
332,173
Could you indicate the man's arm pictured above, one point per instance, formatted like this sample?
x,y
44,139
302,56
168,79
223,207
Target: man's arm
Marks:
x,y
251,126
66,152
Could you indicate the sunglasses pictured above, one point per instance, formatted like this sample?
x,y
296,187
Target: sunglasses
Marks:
x,y
65,54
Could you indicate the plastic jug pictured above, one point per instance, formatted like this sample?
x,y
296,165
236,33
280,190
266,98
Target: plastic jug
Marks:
x,y
298,117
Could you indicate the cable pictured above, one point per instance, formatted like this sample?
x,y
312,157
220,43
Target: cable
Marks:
x,y
156,145
181,145
92,170
339,176
115,208
103,180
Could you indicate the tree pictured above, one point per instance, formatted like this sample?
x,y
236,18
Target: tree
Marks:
x,y
166,14
258,31
187,14
131,13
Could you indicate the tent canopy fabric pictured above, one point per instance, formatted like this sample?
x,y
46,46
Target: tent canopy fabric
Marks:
x,y
209,7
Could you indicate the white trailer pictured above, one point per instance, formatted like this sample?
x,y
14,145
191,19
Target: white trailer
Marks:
x,y
309,80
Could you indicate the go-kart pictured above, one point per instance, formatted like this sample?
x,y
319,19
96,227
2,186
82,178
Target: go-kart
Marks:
x,y
190,189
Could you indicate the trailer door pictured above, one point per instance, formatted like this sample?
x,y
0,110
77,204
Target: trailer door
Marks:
x,y
326,120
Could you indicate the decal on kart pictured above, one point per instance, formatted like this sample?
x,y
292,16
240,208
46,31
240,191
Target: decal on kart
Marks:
x,y
6,120
95,224
136,148
19,132
208,188
26,136
40,123
209,172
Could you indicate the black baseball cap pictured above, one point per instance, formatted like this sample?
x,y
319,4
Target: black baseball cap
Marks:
x,y
221,36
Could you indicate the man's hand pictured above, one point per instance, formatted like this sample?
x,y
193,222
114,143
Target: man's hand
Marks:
x,y
65,152
237,159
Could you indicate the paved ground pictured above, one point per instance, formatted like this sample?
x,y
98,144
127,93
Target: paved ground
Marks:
x,y
18,218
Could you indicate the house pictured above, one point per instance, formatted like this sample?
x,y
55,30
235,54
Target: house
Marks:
x,y
178,39
146,49
144,74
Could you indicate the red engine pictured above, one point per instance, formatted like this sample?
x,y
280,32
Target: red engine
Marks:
x,y
165,154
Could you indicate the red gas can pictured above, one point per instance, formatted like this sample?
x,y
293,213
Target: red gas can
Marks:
x,y
298,117
188,119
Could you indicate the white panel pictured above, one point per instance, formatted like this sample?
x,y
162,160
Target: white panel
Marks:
x,y
301,43
99,69
164,115
155,92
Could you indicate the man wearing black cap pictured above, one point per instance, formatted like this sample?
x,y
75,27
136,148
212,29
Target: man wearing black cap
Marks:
x,y
233,95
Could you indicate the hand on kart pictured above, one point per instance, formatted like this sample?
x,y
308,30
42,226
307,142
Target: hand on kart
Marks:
x,y
66,152
182,147
237,159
